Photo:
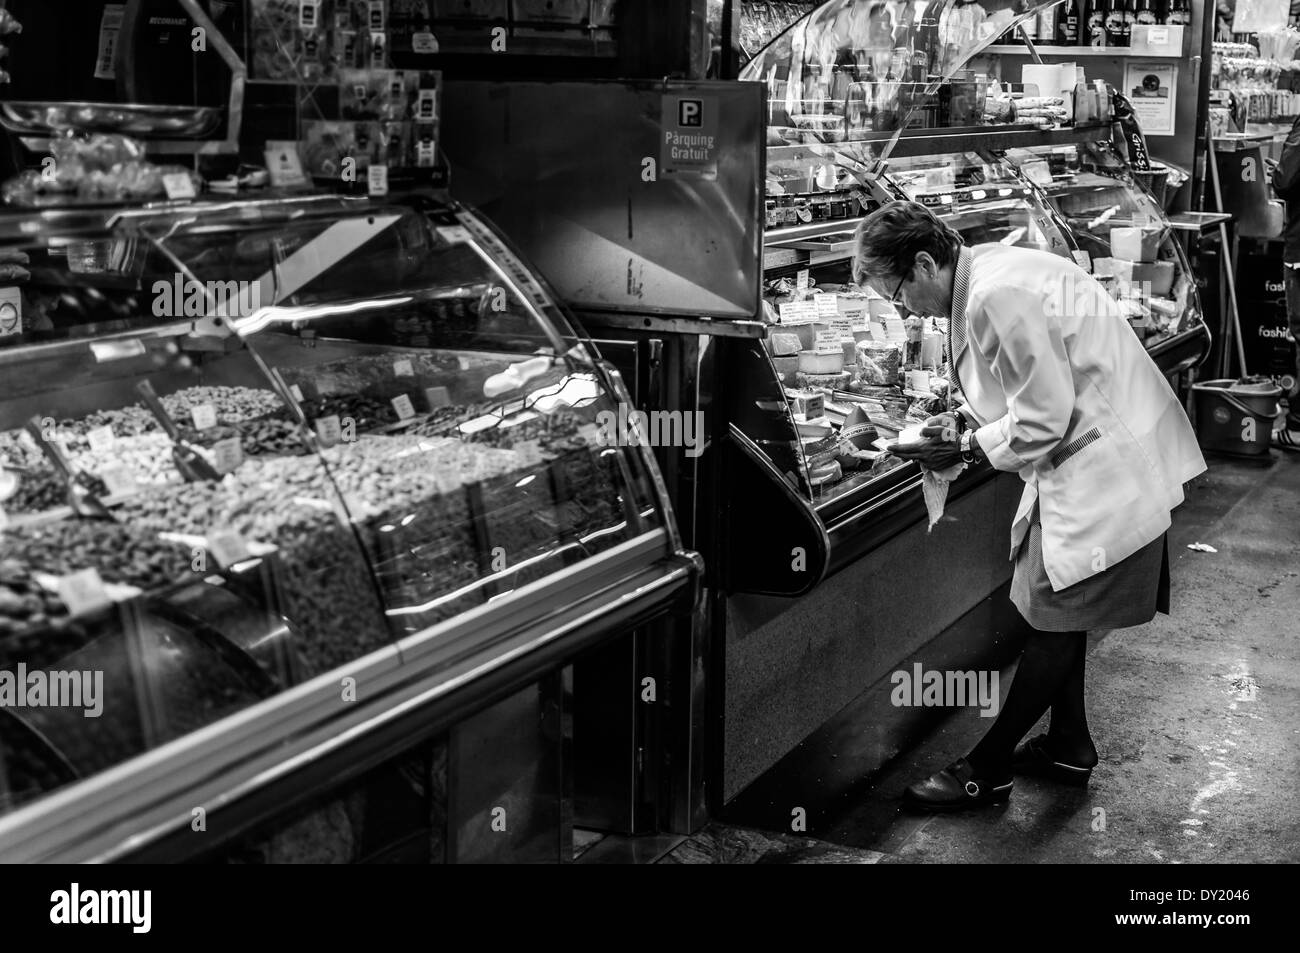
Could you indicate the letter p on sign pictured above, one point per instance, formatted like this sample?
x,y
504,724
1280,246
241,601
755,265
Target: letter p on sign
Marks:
x,y
690,112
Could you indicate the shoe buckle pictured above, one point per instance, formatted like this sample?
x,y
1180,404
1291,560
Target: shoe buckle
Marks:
x,y
973,789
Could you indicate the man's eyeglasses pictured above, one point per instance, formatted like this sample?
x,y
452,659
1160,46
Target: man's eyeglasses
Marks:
x,y
893,299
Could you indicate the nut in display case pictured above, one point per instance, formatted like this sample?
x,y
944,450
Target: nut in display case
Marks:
x,y
205,515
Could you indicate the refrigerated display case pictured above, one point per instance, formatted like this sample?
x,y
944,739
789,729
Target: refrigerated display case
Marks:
x,y
868,102
1143,265
278,477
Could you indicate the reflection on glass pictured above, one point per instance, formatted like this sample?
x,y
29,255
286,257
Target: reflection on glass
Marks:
x,y
852,68
312,435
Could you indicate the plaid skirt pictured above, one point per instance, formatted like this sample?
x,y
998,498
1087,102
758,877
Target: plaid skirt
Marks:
x,y
1129,593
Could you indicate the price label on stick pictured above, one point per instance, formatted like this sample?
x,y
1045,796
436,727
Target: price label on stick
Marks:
x,y
83,592
178,185
803,279
101,439
228,547
204,416
120,481
229,454
405,409
403,368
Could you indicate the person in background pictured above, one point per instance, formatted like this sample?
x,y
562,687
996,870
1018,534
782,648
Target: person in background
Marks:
x,y
1056,387
1286,184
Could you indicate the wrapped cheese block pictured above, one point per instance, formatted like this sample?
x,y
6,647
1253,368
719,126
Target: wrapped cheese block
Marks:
x,y
858,429
829,381
784,343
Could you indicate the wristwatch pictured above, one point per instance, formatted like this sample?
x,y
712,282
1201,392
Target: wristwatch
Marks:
x,y
968,447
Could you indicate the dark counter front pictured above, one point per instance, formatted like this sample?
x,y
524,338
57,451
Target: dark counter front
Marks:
x,y
793,664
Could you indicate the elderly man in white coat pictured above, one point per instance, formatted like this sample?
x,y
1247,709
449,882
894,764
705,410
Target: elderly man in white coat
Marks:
x,y
1055,386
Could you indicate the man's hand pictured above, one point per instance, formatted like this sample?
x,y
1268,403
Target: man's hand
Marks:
x,y
942,427
931,454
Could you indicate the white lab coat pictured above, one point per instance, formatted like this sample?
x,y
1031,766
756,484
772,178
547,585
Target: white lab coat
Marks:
x,y
1065,394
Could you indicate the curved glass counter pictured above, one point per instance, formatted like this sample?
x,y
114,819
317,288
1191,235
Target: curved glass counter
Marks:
x,y
265,465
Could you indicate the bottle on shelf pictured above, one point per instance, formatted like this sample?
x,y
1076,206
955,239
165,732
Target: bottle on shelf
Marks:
x,y
1130,18
1067,24
1047,25
1178,13
1148,13
1028,28
1096,32
1115,35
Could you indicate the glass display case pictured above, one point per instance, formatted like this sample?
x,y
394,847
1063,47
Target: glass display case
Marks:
x,y
889,371
269,470
870,102
1123,235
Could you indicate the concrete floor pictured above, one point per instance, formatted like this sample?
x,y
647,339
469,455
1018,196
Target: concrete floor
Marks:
x,y
1196,717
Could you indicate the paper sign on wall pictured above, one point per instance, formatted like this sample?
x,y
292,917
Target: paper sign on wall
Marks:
x,y
1152,88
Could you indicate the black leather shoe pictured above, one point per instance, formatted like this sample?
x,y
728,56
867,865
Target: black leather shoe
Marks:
x,y
1034,757
956,788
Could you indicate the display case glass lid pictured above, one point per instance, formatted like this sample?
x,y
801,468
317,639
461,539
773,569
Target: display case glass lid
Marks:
x,y
853,55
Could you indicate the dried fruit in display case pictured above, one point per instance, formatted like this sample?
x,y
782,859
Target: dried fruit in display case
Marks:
x,y
232,404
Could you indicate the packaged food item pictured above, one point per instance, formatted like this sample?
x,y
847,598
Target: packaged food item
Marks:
x,y
887,357
289,41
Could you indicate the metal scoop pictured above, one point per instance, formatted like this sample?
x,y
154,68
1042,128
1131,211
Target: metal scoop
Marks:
x,y
192,464
80,497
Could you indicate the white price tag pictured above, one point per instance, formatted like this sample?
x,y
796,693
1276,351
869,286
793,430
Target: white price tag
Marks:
x,y
120,481
828,342
83,592
110,25
529,453
101,439
377,180
827,305
405,409
1158,35
403,368
228,547
308,14
803,279
178,185
229,454
296,392
329,430
424,43
204,416
798,312
843,327
860,321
